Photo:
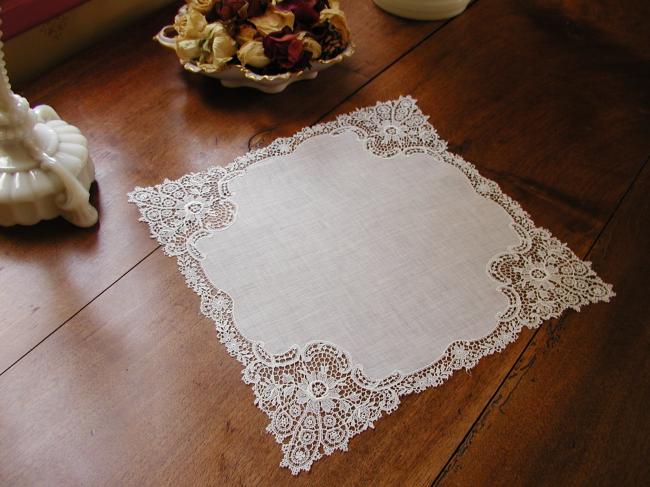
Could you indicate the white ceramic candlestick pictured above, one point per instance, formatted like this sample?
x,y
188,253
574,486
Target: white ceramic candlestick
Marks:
x,y
45,169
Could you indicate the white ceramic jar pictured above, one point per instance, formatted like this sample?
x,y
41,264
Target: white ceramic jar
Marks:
x,y
423,9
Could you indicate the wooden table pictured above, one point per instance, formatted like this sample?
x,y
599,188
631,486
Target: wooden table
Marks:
x,y
110,376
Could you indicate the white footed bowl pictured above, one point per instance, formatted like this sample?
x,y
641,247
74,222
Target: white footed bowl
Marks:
x,y
423,9
237,76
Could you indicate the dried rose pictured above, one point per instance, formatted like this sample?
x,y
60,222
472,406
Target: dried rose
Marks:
x,y
190,24
245,33
188,49
252,54
228,9
203,6
285,50
310,44
218,49
336,17
305,11
273,20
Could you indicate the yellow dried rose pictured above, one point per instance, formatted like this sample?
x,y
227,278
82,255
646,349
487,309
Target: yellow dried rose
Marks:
x,y
252,54
310,44
336,17
245,33
273,20
202,6
218,49
190,24
188,49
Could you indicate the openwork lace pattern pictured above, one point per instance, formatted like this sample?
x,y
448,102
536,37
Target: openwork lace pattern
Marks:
x,y
316,396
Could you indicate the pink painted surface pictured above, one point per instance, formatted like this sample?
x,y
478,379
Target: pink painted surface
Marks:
x,y
21,15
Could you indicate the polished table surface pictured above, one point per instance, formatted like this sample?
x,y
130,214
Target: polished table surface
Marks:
x,y
110,376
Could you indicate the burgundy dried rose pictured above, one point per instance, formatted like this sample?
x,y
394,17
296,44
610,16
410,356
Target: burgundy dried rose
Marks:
x,y
285,50
306,12
229,9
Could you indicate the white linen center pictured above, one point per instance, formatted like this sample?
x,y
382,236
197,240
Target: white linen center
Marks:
x,y
385,258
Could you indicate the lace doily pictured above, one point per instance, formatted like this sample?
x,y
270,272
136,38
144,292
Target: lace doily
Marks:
x,y
316,395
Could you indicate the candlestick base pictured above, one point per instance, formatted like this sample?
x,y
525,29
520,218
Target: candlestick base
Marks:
x,y
47,174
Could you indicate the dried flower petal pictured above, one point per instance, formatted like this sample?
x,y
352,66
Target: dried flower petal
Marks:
x,y
218,49
252,54
188,49
273,20
336,17
286,51
190,24
203,6
305,11
245,33
310,44
228,9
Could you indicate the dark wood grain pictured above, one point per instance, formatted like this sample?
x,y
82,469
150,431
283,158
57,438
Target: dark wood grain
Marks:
x,y
574,411
551,99
145,120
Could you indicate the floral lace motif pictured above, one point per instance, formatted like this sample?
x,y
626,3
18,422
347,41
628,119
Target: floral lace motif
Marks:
x,y
316,397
